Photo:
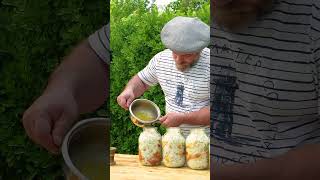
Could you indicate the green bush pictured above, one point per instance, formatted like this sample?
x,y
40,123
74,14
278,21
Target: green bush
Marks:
x,y
35,35
135,39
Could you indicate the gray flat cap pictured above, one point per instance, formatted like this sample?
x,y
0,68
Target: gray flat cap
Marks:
x,y
185,35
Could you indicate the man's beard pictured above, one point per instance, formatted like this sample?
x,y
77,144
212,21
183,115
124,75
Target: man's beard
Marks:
x,y
239,13
182,67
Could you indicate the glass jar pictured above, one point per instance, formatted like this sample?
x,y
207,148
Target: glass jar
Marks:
x,y
197,149
173,148
150,147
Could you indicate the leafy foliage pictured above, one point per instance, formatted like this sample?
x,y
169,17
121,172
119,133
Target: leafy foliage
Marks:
x,y
35,35
135,39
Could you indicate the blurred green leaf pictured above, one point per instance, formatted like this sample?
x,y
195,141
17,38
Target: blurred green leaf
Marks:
x,y
35,35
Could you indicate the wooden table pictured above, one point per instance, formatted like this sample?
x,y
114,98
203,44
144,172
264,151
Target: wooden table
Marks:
x,y
128,168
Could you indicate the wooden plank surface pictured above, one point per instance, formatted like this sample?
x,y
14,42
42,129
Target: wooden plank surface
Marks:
x,y
128,168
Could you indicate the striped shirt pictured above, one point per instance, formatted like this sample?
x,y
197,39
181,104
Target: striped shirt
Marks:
x,y
100,43
186,91
264,84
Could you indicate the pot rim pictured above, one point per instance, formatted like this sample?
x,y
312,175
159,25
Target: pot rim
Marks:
x,y
141,121
64,148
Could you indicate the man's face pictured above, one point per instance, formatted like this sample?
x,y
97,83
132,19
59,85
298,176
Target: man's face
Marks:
x,y
234,14
185,60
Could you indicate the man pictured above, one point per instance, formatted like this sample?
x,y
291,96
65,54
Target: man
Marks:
x,y
182,71
78,85
265,90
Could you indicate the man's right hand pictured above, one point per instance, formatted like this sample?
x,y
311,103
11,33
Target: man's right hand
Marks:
x,y
125,98
49,118
134,88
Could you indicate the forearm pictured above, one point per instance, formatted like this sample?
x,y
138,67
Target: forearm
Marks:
x,y
84,75
137,86
201,117
302,163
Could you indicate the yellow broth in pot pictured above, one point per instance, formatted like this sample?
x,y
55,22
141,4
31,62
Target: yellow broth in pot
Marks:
x,y
145,115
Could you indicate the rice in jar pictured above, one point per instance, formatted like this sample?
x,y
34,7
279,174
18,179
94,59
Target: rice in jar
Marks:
x,y
173,148
150,147
197,149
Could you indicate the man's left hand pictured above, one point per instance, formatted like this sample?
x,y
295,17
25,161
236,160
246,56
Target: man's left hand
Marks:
x,y
172,119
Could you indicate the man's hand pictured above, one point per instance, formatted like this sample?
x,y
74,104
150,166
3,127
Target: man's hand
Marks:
x,y
78,85
133,89
125,98
49,118
172,119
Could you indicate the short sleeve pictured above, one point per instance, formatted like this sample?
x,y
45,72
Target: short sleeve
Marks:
x,y
149,74
100,43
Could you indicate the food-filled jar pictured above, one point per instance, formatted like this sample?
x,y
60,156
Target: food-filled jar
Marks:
x,y
173,148
197,149
150,147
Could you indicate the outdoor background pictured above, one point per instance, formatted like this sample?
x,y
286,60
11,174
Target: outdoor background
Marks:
x,y
135,39
35,35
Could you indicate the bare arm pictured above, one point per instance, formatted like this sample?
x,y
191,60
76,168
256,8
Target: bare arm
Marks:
x,y
85,75
201,117
134,88
137,86
173,119
298,164
78,85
